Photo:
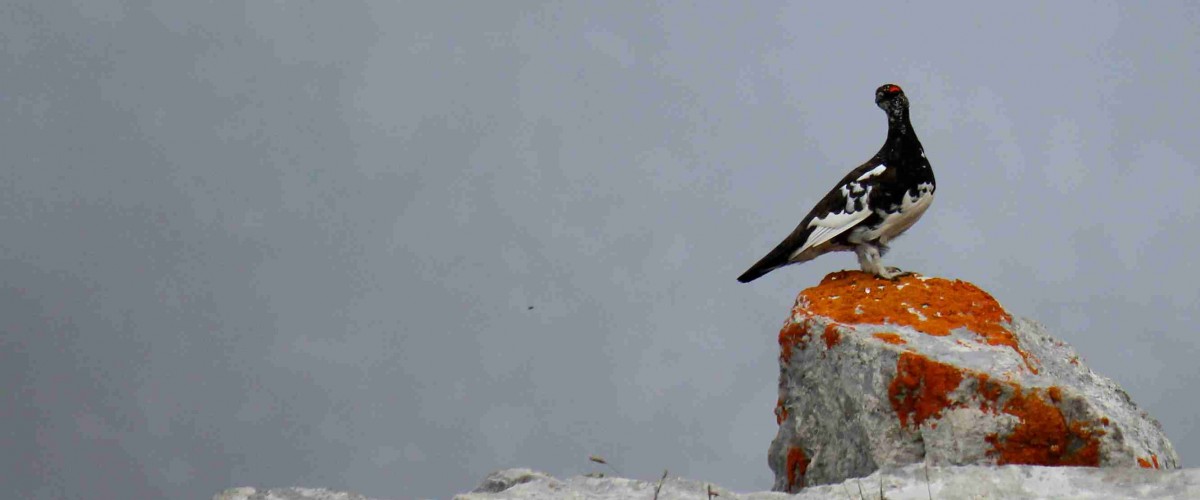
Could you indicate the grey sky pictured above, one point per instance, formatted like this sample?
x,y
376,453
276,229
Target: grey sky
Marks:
x,y
297,243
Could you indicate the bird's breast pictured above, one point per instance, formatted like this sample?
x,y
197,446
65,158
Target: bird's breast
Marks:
x,y
897,218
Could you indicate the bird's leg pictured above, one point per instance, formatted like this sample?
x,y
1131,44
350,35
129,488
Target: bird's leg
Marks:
x,y
871,262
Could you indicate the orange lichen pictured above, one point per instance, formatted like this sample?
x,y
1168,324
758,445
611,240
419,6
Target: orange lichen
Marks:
x,y
858,297
830,336
1043,435
781,412
1145,464
933,306
796,467
989,391
891,338
790,336
921,388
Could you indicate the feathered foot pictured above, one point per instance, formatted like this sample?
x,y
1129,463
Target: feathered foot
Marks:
x,y
870,262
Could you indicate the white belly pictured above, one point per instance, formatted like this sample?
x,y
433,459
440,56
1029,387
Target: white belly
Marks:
x,y
896,223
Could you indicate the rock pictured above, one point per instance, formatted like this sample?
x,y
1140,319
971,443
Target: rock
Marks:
x,y
879,374
1014,482
539,486
504,479
912,482
285,494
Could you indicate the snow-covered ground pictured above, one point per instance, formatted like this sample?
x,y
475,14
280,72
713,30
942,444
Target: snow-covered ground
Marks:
x,y
963,482
907,483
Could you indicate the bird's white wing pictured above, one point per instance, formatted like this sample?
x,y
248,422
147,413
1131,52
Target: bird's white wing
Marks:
x,y
847,207
828,227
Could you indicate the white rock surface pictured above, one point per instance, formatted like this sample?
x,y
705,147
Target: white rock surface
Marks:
x,y
530,485
962,482
285,494
880,374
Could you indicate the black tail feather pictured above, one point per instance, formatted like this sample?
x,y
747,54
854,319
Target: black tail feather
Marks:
x,y
757,271
779,256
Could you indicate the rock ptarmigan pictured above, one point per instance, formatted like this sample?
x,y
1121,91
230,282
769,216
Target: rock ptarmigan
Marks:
x,y
871,206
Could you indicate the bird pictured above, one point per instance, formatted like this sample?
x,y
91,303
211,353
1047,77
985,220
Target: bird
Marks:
x,y
870,206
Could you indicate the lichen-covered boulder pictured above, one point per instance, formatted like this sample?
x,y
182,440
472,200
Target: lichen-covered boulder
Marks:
x,y
877,373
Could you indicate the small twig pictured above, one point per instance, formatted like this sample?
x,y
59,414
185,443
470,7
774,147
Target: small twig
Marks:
x,y
660,484
861,495
927,487
712,493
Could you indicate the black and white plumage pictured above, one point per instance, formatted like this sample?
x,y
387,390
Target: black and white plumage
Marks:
x,y
871,206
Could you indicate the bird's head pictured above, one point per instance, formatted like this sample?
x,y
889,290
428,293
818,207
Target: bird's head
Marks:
x,y
890,98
